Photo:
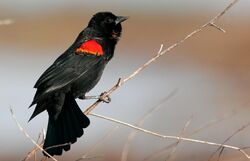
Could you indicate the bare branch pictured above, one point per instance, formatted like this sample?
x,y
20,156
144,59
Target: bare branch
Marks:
x,y
28,136
171,136
217,27
212,122
160,50
227,139
132,134
159,54
220,154
203,127
35,149
169,157
100,142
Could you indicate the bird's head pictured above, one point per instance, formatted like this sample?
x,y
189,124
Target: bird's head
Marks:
x,y
108,24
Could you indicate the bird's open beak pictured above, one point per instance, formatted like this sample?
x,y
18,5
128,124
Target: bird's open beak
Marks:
x,y
120,19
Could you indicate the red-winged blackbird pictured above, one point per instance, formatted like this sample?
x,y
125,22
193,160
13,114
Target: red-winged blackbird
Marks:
x,y
73,74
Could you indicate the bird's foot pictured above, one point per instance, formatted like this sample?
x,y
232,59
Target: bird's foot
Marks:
x,y
104,97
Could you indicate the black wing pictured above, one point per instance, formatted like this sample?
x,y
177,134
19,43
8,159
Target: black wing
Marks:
x,y
65,70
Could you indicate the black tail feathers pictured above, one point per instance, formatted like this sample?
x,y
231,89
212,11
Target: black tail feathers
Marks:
x,y
65,130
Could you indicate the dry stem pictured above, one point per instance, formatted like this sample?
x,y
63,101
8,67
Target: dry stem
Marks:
x,y
132,134
205,126
35,149
171,136
227,139
28,136
108,135
170,156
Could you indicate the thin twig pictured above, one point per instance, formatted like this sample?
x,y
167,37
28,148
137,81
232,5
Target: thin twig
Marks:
x,y
28,136
33,151
133,133
227,139
171,136
58,145
220,154
169,157
100,142
205,126
218,27
159,54
213,122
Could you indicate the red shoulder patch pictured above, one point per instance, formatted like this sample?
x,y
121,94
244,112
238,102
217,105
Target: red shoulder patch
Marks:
x,y
90,47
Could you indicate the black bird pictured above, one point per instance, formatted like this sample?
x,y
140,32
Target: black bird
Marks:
x,y
73,74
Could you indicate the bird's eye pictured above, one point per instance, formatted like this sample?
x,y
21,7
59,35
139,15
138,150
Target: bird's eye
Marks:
x,y
109,20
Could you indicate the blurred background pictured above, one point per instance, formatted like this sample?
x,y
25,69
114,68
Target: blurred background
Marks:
x,y
209,75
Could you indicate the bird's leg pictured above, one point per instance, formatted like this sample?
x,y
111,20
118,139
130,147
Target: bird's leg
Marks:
x,y
100,97
91,97
83,97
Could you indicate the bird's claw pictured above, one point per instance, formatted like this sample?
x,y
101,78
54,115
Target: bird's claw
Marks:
x,y
104,97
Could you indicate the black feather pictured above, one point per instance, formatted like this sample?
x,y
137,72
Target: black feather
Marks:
x,y
65,128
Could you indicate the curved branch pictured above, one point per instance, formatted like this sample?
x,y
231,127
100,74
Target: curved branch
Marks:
x,y
159,54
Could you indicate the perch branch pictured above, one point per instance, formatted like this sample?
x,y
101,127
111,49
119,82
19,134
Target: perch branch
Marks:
x,y
159,54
